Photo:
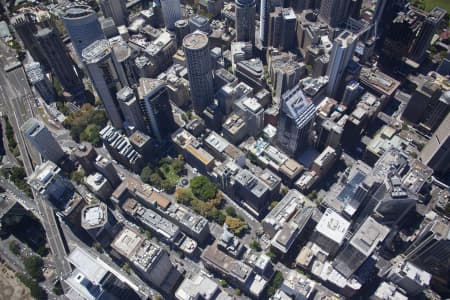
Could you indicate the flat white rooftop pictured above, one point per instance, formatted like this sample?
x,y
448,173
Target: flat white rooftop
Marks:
x,y
333,226
87,265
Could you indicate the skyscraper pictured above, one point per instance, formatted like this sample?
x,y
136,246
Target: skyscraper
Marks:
x,y
436,154
171,10
41,139
154,100
196,49
245,20
431,248
282,28
429,28
264,22
296,118
107,76
26,29
129,105
116,10
334,12
341,54
59,61
82,26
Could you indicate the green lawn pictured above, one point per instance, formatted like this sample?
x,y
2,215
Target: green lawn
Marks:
x,y
430,4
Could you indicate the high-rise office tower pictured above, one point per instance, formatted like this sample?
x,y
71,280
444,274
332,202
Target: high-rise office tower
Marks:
x,y
40,137
171,10
181,30
431,249
429,28
116,10
436,154
341,54
334,12
353,90
295,120
107,76
245,20
37,78
129,105
154,100
82,26
282,28
355,8
56,54
26,29
196,50
264,22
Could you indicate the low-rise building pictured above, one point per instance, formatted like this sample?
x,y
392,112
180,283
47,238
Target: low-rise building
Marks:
x,y
99,185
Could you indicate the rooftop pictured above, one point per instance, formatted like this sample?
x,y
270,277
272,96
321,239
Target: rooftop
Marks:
x,y
195,40
197,286
87,265
93,216
368,236
96,51
379,81
127,242
333,226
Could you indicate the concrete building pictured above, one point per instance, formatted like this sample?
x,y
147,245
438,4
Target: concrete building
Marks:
x,y
251,72
253,192
99,185
330,232
38,135
37,78
234,271
252,113
61,64
245,11
107,77
234,129
95,279
429,103
298,286
334,12
107,169
361,246
223,150
286,221
199,22
282,29
409,277
129,105
82,26
25,28
430,250
192,150
99,223
115,9
198,286
47,181
388,291
196,48
86,154
269,156
171,10
120,148
264,22
296,117
324,162
341,55
154,101
182,29
436,153
352,91
150,261
422,42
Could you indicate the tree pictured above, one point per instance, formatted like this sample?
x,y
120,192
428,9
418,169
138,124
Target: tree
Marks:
x,y
14,247
203,188
33,265
78,176
91,134
255,245
236,225
57,288
184,196
35,290
126,267
273,204
274,284
230,211
223,283
156,180
146,173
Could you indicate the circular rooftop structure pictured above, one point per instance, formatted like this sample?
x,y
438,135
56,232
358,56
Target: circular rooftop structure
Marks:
x,y
181,23
245,3
78,11
195,40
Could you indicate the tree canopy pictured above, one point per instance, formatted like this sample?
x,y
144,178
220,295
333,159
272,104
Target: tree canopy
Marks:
x,y
203,188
